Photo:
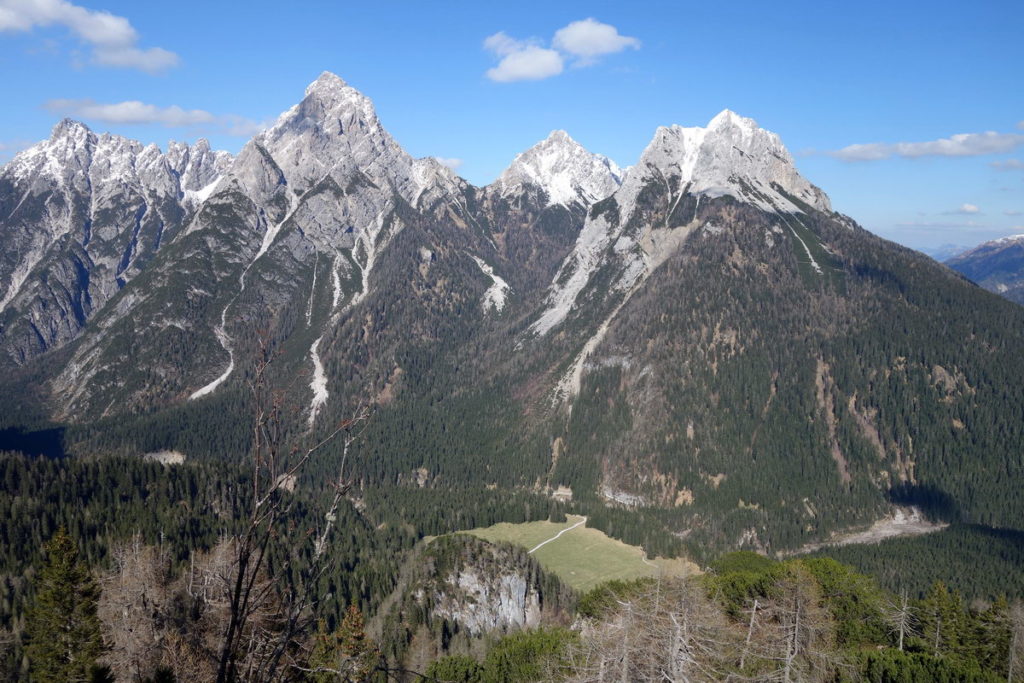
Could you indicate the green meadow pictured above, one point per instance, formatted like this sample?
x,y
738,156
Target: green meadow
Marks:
x,y
580,556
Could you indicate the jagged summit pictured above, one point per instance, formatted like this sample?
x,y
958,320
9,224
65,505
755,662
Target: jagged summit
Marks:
x,y
68,127
727,117
564,169
76,156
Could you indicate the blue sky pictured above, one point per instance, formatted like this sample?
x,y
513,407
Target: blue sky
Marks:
x,y
897,79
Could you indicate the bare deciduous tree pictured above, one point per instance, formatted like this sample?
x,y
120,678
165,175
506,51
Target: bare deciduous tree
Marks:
x,y
250,651
798,637
901,619
134,607
669,632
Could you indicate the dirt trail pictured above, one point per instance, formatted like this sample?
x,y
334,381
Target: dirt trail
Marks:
x,y
555,537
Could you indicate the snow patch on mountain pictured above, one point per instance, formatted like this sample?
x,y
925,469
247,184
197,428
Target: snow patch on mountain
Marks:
x,y
1009,239
197,197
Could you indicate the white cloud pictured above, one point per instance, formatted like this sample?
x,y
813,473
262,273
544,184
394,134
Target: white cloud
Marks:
x,y
153,60
521,60
529,60
131,112
239,126
503,44
964,210
589,39
529,64
962,145
113,39
1008,165
450,162
1013,212
1020,125
135,112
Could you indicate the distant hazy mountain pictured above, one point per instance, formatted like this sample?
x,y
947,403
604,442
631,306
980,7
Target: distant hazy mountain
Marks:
x,y
998,266
700,337
943,252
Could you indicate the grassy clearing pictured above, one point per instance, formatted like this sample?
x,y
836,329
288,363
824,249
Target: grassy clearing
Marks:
x,y
582,557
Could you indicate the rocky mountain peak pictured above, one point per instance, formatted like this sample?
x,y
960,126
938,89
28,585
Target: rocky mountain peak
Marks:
x,y
1007,241
564,169
197,165
996,265
74,132
732,155
326,84
333,131
68,150
727,118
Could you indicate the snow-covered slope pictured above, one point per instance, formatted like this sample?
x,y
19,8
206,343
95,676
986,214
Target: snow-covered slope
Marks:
x,y
566,172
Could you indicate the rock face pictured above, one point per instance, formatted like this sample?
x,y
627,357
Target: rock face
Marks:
x,y
80,216
482,603
477,587
998,266
701,334
457,590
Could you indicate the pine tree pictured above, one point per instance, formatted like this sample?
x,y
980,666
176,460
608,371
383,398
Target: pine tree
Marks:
x,y
345,655
62,628
942,619
357,648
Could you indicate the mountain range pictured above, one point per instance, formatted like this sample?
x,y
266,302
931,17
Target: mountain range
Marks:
x,y
698,340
